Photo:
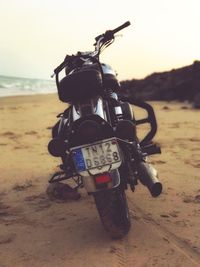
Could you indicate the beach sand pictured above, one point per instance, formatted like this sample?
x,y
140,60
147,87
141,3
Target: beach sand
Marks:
x,y
38,232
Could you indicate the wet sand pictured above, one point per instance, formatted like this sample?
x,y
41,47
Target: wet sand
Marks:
x,y
35,231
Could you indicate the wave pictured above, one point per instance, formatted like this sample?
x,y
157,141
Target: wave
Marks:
x,y
10,86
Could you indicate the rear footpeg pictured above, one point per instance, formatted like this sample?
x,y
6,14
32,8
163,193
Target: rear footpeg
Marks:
x,y
151,149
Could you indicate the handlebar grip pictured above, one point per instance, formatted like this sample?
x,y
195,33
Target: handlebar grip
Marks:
x,y
126,24
60,67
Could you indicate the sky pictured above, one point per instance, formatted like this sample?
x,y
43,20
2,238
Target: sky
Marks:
x,y
36,35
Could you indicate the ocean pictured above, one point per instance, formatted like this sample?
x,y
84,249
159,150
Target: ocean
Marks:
x,y
12,86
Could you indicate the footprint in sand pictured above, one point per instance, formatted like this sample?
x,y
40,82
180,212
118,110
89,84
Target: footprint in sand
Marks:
x,y
11,135
20,147
193,163
5,239
4,210
40,201
15,108
197,199
164,215
196,165
8,215
194,139
174,214
3,193
175,125
165,108
181,223
8,134
22,187
31,133
184,107
191,199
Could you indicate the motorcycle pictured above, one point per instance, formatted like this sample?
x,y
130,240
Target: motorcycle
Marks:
x,y
96,136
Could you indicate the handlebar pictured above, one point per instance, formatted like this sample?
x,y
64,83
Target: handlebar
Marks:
x,y
101,40
126,24
109,35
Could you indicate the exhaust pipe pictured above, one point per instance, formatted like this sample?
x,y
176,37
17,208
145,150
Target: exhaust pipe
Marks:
x,y
148,177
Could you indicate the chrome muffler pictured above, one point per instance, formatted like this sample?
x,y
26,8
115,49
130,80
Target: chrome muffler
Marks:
x,y
148,177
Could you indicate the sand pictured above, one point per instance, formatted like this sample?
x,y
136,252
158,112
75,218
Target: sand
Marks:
x,y
38,232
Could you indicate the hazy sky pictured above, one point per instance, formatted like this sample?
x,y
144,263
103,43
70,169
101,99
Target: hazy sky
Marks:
x,y
36,35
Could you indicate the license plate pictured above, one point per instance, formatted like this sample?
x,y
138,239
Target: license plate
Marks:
x,y
96,155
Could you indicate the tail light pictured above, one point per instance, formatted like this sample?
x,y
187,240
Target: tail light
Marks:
x,y
103,178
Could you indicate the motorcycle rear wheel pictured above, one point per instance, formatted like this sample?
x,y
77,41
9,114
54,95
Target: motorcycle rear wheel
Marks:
x,y
113,212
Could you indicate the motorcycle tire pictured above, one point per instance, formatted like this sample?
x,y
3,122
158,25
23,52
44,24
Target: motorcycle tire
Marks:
x,y
113,212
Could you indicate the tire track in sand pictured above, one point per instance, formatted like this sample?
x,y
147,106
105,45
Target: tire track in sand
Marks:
x,y
120,253
176,242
